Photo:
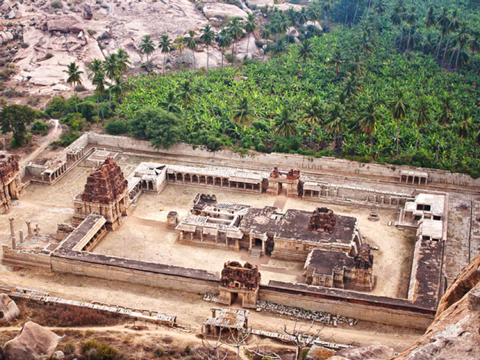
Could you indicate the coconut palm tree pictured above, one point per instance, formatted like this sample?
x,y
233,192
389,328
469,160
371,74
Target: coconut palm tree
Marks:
x,y
430,19
285,124
224,40
97,75
443,21
306,50
74,78
207,37
336,61
313,115
250,26
477,142
192,45
147,47
111,68
165,46
336,122
265,34
169,104
453,26
123,61
463,132
186,95
235,28
410,18
118,88
180,44
474,45
243,114
399,108
423,116
445,118
369,117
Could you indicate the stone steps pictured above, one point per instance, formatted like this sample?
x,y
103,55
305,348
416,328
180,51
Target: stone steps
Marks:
x,y
256,254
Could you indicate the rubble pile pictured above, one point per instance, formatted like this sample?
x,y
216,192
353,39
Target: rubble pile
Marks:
x,y
318,316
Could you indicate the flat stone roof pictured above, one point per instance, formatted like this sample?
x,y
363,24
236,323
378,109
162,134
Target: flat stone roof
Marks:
x,y
229,318
293,224
436,202
324,261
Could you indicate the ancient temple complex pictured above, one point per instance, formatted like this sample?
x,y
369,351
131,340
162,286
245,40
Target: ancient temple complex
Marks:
x,y
239,281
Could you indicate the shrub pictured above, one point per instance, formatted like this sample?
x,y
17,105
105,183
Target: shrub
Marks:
x,y
41,115
65,139
188,351
69,349
56,4
213,143
48,55
159,352
80,88
33,100
39,127
74,121
117,128
56,107
93,349
107,352
91,32
24,45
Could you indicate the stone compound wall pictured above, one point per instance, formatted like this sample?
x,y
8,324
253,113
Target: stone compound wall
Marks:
x,y
284,160
117,273
25,259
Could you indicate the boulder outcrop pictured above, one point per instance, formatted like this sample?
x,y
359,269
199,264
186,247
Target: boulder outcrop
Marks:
x,y
220,10
8,309
454,334
33,342
373,352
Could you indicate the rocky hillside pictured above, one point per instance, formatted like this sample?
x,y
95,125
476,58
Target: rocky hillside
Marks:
x,y
455,332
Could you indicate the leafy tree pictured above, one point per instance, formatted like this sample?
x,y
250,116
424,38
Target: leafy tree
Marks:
x,y
165,46
250,26
207,37
464,130
147,47
123,61
15,118
243,114
399,108
161,128
235,28
313,115
369,118
170,103
74,77
192,45
224,40
477,143
445,118
336,61
306,50
285,124
423,116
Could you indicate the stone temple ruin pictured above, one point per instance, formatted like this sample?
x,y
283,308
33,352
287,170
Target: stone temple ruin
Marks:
x,y
105,194
336,265
12,187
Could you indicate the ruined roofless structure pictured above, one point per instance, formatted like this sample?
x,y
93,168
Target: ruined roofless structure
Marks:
x,y
106,193
239,281
11,184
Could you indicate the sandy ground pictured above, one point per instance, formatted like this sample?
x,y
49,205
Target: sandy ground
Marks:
x,y
191,310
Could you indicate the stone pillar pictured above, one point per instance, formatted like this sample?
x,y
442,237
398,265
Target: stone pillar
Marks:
x,y
20,233
251,243
14,243
29,227
12,227
263,247
37,229
214,312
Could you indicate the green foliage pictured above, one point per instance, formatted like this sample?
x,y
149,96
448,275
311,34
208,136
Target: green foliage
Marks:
x,y
162,128
65,139
188,351
56,4
74,121
39,127
159,353
56,107
69,348
15,118
117,128
93,349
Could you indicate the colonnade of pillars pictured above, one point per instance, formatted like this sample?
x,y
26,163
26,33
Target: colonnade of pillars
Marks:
x,y
414,179
55,174
214,181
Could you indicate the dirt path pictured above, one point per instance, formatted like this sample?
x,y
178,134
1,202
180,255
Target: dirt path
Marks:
x,y
52,136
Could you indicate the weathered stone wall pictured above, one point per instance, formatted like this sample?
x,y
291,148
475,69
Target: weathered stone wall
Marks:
x,y
375,313
285,160
24,259
116,273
